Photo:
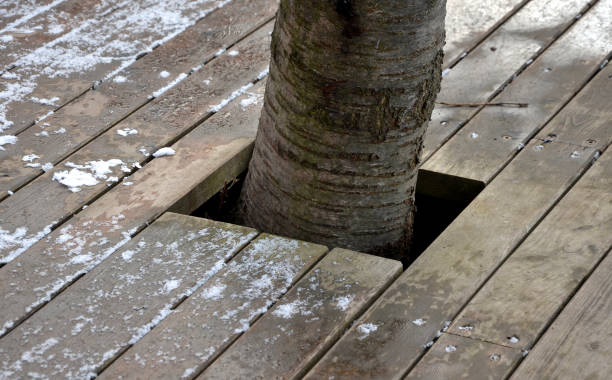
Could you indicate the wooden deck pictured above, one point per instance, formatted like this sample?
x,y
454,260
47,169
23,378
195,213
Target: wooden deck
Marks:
x,y
110,277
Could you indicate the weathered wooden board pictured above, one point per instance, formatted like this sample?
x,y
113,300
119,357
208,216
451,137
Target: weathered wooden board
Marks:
x,y
48,26
578,345
287,340
478,77
39,274
121,300
100,109
469,22
210,320
64,68
514,307
437,285
158,124
588,121
485,145
15,13
456,357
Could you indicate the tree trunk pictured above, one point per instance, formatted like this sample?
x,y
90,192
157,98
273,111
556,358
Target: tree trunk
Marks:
x,y
351,88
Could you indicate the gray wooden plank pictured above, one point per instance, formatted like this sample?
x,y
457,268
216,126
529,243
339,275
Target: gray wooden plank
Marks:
x,y
214,149
117,303
578,345
469,21
489,141
456,357
47,26
158,124
100,109
484,71
514,307
587,122
315,312
68,66
209,321
436,286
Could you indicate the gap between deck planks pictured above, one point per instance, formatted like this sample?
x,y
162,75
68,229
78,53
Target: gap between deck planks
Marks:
x,y
158,124
577,344
67,67
437,285
494,63
98,110
489,141
17,208
221,144
524,295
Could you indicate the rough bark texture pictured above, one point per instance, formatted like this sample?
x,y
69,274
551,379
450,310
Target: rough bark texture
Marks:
x,y
352,85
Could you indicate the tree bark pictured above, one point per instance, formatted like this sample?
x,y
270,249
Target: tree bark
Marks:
x,y
351,88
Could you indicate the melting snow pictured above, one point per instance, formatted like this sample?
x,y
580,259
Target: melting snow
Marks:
x,y
176,81
77,177
7,139
450,348
164,74
419,322
343,302
365,329
19,241
167,151
233,53
127,131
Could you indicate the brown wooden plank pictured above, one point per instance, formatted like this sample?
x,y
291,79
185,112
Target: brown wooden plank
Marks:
x,y
47,26
477,77
97,111
209,321
468,22
588,121
577,345
456,357
489,141
70,65
15,13
527,291
313,314
158,124
437,285
122,299
220,145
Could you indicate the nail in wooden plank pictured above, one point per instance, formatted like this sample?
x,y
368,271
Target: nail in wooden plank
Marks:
x,y
494,136
456,357
209,321
577,345
436,286
297,330
527,291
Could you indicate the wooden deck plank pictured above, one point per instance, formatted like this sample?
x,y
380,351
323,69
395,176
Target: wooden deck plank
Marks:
x,y
577,345
49,25
158,124
97,111
313,314
589,119
530,288
15,13
468,22
217,149
456,357
484,71
444,277
67,67
122,299
492,138
211,320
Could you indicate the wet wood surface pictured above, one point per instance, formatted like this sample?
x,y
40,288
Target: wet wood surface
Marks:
x,y
86,290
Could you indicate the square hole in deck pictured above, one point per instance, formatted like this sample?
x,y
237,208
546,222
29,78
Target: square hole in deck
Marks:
x,y
439,200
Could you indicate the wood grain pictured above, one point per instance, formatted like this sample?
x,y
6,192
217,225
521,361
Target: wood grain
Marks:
x,y
214,317
578,344
44,270
119,301
529,289
297,330
493,137
437,285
